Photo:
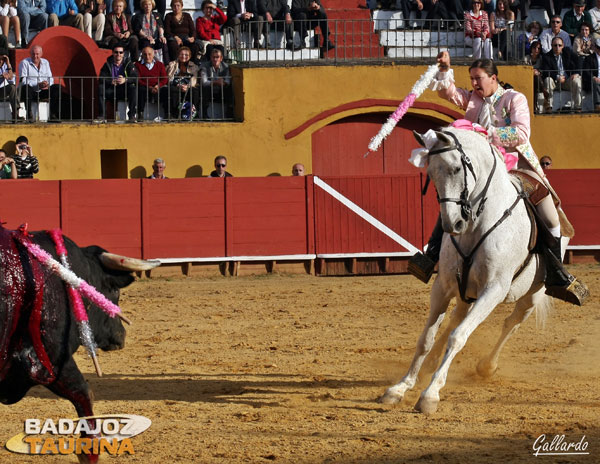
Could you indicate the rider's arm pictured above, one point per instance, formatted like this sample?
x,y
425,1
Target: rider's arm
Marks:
x,y
518,126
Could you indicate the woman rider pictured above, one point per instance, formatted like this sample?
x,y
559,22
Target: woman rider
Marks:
x,y
504,113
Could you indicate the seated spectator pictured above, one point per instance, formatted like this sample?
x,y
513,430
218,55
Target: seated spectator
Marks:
x,y
9,17
308,14
583,43
183,76
208,28
64,13
220,165
32,14
532,34
554,31
477,31
129,8
37,83
8,89
26,162
518,5
94,18
545,162
8,169
591,77
277,18
152,82
118,82
560,71
180,30
535,60
575,18
298,169
118,30
499,22
595,15
216,85
148,26
158,169
446,10
247,15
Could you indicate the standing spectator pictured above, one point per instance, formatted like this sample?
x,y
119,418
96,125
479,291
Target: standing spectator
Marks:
x,y
246,14
591,75
298,169
595,15
32,14
94,18
220,165
158,169
118,82
554,31
532,34
208,28
118,30
575,18
9,17
278,17
25,161
180,30
535,60
148,26
8,169
64,13
545,162
216,84
8,89
183,76
560,70
310,14
500,20
152,81
477,31
37,83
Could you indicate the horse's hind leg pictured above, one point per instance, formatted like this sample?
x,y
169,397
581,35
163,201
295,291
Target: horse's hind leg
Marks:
x,y
488,365
438,304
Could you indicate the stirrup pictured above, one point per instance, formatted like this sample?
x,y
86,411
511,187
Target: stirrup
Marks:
x,y
421,266
574,292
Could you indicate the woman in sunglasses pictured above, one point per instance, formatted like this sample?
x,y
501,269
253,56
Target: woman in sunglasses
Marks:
x,y
477,31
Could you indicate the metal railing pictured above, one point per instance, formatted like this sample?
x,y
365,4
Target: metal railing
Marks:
x,y
576,95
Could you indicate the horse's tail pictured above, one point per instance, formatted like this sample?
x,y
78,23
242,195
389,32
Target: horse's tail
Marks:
x,y
543,307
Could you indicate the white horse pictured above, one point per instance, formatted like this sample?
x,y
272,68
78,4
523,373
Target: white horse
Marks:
x,y
483,214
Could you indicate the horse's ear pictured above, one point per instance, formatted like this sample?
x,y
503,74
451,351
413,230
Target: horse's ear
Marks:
x,y
419,138
444,138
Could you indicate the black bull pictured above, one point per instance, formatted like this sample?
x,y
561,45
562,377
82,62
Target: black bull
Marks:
x,y
38,332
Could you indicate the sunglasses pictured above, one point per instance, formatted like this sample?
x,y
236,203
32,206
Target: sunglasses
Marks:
x,y
220,165
557,45
118,53
545,163
556,22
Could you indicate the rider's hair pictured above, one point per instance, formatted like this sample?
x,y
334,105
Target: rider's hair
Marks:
x,y
489,67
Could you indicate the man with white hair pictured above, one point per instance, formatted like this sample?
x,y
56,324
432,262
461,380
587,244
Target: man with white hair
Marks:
x,y
37,83
158,169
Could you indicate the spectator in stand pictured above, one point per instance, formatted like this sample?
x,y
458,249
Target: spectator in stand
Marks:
x,y
8,169
8,89
298,169
248,14
554,31
8,17
500,20
152,81
545,162
208,28
216,85
560,70
535,60
477,31
94,18
591,75
37,83
583,43
25,161
549,5
532,34
308,14
220,165
595,15
518,5
64,13
32,14
183,77
277,18
180,30
575,18
118,79
158,169
118,30
149,28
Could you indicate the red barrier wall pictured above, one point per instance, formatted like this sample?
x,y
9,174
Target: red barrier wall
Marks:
x,y
32,201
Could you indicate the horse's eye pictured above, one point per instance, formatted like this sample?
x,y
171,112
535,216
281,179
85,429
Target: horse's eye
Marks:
x,y
455,170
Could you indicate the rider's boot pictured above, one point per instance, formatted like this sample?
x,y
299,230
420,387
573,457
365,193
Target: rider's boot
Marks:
x,y
559,282
422,265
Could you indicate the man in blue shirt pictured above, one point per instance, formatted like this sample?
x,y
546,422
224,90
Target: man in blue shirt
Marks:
x,y
64,13
32,14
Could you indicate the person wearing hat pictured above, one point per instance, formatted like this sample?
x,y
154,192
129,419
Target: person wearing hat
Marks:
x,y
591,74
574,18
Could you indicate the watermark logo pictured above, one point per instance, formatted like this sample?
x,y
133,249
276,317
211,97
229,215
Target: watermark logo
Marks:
x,y
107,434
559,446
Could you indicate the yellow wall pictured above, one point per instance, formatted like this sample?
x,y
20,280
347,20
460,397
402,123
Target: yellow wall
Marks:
x,y
275,101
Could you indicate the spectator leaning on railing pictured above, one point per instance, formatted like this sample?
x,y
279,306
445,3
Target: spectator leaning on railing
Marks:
x,y
560,71
94,17
32,14
534,59
591,74
554,31
64,13
575,17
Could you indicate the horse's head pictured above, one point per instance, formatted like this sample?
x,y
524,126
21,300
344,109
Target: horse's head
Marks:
x,y
454,174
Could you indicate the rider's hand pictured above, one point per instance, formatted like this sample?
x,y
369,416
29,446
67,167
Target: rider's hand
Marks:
x,y
443,60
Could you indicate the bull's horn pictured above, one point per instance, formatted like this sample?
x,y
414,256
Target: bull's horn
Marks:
x,y
124,263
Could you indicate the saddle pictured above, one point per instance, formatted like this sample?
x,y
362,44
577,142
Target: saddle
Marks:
x,y
535,192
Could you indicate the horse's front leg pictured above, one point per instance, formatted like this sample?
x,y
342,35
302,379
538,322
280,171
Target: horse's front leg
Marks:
x,y
438,305
487,301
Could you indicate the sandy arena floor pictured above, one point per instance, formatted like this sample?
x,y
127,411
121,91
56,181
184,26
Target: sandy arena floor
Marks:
x,y
286,369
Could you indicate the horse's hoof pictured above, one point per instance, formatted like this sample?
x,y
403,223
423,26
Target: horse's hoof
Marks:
x,y
427,405
485,369
389,397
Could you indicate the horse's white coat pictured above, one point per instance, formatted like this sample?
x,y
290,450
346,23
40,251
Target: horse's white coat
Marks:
x,y
494,265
